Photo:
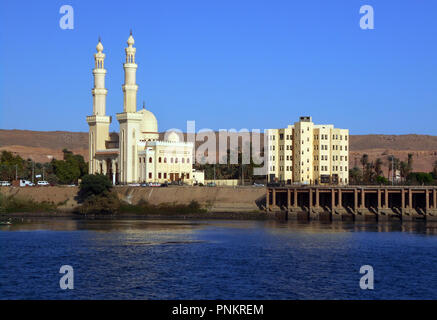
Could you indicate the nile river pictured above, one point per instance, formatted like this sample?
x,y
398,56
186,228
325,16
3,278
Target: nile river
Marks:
x,y
182,259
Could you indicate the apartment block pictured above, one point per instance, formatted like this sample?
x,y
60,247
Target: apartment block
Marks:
x,y
307,153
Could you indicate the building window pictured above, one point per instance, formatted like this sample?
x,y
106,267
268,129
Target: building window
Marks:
x,y
188,176
150,175
176,160
150,160
159,175
165,175
171,160
188,160
165,160
159,159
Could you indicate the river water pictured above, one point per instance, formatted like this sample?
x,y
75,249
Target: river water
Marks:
x,y
183,259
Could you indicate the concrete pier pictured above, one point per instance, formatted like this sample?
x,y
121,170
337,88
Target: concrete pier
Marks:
x,y
354,202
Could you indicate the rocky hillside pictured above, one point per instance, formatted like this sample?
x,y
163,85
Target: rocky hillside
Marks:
x,y
43,146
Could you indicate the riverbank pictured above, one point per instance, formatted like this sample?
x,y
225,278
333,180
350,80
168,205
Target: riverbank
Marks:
x,y
216,202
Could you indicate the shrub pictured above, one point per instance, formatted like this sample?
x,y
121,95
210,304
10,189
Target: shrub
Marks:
x,y
94,185
107,203
13,204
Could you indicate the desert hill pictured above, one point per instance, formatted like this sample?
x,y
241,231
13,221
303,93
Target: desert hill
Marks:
x,y
42,146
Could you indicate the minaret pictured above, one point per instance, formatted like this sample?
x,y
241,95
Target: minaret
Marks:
x,y
129,119
99,121
130,87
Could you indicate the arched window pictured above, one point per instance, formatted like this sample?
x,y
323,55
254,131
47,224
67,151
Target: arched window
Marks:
x,y
159,159
188,160
171,160
150,160
165,160
176,160
183,160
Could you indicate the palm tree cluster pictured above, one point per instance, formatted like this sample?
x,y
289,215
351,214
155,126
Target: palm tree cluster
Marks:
x,y
371,172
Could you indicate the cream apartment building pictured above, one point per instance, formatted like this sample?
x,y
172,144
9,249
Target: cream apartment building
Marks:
x,y
308,153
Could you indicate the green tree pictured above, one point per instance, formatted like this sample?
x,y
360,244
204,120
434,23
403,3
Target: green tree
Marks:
x,y
94,185
420,178
9,164
70,169
381,180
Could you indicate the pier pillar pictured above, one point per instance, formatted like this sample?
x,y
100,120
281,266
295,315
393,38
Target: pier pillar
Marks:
x,y
363,199
310,197
288,198
273,198
332,199
295,198
426,200
410,198
379,199
340,202
317,198
386,199
434,198
355,199
268,199
402,199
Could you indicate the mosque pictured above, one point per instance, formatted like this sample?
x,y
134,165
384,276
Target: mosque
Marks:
x,y
136,154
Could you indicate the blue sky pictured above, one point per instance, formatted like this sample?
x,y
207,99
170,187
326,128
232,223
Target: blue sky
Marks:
x,y
225,64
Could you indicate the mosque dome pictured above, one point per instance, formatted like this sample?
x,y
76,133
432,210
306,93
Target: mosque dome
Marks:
x,y
149,122
173,137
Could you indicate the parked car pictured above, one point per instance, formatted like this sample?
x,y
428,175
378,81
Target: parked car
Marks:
x,y
211,184
5,183
154,184
164,185
258,184
134,185
145,184
26,183
43,183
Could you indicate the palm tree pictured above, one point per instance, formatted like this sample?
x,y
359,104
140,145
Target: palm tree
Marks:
x,y
378,167
404,167
355,175
364,160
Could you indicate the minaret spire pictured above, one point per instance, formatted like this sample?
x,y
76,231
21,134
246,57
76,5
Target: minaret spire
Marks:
x,y
98,122
130,87
99,91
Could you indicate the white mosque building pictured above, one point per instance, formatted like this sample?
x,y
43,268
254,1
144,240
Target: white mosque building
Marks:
x,y
135,154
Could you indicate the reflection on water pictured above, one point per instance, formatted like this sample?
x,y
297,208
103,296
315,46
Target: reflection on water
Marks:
x,y
183,259
181,226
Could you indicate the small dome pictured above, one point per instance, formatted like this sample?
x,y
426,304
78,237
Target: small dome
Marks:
x,y
130,40
99,47
173,137
149,122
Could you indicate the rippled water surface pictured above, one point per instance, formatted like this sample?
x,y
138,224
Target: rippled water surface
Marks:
x,y
180,259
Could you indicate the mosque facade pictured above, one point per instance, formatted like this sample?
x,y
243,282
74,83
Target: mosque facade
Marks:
x,y
136,153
